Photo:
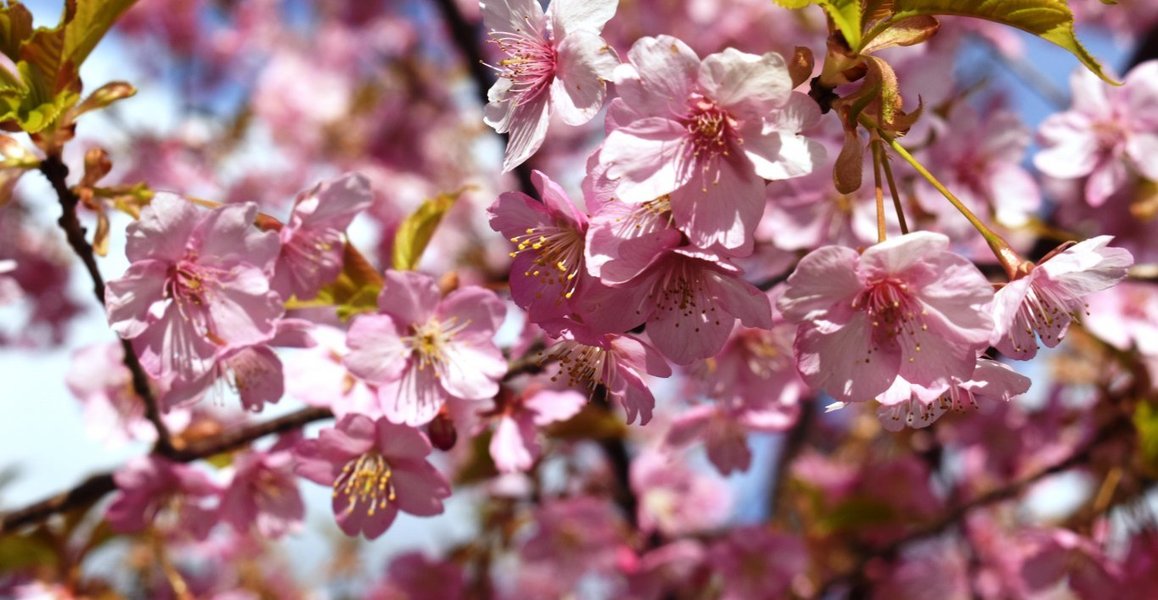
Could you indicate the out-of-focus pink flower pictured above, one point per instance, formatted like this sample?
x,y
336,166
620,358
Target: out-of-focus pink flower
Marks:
x,y
1109,135
756,562
928,569
555,62
9,289
414,576
575,536
549,260
207,275
907,306
318,377
981,162
674,499
724,429
708,133
616,362
421,349
916,406
312,242
150,486
376,469
515,444
1042,303
661,572
263,494
98,378
1065,555
1125,316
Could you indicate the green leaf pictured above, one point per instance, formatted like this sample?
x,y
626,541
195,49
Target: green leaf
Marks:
x,y
354,291
90,21
1050,20
415,232
845,14
1146,422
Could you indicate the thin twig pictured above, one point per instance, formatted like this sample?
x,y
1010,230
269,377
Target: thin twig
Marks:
x,y
56,171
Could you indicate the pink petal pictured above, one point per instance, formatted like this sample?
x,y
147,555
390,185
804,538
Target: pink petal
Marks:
x,y
570,16
377,353
514,446
551,406
645,158
528,127
163,229
738,80
584,61
129,298
408,296
839,361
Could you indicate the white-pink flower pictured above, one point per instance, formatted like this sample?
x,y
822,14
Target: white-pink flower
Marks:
x,y
552,62
313,241
1109,135
422,349
708,133
1042,303
515,444
907,306
905,404
198,284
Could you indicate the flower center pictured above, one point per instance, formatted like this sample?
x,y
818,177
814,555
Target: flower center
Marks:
x,y
683,289
897,318
558,255
649,217
365,482
529,65
582,364
766,352
712,132
428,342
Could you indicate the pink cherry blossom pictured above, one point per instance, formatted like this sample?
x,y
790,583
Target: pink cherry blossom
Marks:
x,y
724,430
376,469
915,406
708,133
415,576
549,258
1110,135
907,306
318,377
1042,303
675,499
554,62
198,282
515,445
575,536
9,289
421,350
151,488
690,301
756,562
312,242
263,494
616,362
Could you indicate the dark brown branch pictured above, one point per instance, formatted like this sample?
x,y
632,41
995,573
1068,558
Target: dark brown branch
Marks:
x,y
56,171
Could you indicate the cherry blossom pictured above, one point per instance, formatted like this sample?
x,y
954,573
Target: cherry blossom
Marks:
x,y
1109,135
421,350
907,306
376,469
1042,303
312,242
515,444
207,275
263,493
736,556
916,406
708,133
554,62
151,487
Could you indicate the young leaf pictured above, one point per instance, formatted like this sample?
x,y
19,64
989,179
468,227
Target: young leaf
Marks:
x,y
845,14
415,232
1050,20
15,27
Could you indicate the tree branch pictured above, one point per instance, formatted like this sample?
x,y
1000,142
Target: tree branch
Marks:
x,y
56,171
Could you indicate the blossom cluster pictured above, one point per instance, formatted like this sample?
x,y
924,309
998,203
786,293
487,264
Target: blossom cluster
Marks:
x,y
687,250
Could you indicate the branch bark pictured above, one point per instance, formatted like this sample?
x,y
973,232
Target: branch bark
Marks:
x,y
56,172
